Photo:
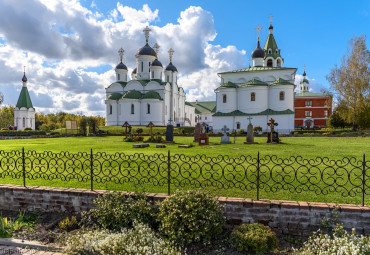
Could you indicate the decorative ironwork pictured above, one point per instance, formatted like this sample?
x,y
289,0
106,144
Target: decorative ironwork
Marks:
x,y
348,177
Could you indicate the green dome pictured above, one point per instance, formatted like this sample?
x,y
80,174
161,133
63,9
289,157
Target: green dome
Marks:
x,y
115,96
152,95
304,80
133,94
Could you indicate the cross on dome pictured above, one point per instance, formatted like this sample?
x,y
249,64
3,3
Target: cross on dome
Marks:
x,y
146,32
156,49
170,53
120,52
258,28
271,19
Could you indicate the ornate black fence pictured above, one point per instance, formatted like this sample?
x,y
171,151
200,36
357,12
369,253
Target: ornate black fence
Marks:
x,y
348,177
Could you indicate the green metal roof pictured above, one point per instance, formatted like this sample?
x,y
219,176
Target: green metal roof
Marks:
x,y
304,80
115,96
133,94
271,44
265,112
258,68
203,107
24,99
227,85
254,82
122,83
281,82
309,94
152,95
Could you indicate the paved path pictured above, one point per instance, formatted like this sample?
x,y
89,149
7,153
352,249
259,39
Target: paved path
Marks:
x,y
17,251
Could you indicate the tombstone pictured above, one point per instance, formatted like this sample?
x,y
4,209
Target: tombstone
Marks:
x,y
197,132
273,137
250,134
169,134
225,138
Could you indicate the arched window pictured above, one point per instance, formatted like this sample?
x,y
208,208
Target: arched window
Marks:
x,y
224,98
148,108
278,63
152,74
142,66
277,51
24,122
269,62
253,96
132,109
118,76
270,51
168,78
238,125
110,109
281,95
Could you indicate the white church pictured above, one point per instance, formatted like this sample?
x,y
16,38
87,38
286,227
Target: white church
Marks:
x,y
148,96
257,93
24,112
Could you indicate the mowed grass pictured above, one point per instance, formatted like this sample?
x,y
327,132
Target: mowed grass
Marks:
x,y
335,148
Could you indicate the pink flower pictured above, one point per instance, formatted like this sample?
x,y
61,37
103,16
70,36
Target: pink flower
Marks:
x,y
324,245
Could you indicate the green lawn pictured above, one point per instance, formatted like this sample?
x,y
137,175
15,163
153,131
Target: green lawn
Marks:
x,y
192,169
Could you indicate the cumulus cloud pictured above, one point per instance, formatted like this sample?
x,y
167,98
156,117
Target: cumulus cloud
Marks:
x,y
314,85
60,41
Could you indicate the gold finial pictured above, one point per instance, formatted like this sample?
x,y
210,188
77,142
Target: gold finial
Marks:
x,y
271,19
156,49
170,52
259,28
120,52
146,32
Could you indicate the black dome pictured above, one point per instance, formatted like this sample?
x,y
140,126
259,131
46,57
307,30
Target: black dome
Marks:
x,y
304,73
156,62
258,52
134,71
24,79
171,67
121,66
271,27
146,50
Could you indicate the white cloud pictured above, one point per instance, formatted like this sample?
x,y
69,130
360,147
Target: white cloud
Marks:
x,y
314,85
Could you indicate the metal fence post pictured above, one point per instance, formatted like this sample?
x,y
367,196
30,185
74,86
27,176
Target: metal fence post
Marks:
x,y
258,176
169,173
24,168
363,179
91,170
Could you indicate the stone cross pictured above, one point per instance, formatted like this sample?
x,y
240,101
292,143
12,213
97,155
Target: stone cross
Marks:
x,y
249,118
170,52
126,125
272,123
146,32
225,129
120,52
151,125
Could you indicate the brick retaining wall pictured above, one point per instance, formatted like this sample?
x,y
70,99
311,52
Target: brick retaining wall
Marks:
x,y
286,217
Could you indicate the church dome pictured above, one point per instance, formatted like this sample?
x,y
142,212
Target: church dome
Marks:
x,y
156,62
121,66
24,79
134,71
146,50
258,52
171,67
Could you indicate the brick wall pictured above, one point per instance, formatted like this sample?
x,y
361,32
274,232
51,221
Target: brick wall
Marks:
x,y
287,217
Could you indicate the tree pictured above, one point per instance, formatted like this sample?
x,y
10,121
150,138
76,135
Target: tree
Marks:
x,y
336,121
6,116
1,98
351,80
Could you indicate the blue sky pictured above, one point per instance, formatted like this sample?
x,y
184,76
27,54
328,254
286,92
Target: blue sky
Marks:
x,y
70,46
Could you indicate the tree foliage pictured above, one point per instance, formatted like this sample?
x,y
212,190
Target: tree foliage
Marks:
x,y
351,81
6,116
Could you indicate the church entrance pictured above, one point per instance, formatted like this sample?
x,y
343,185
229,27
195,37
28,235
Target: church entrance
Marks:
x,y
308,124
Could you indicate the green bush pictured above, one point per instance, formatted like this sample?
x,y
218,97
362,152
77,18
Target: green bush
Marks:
x,y
257,129
138,138
68,224
154,139
27,129
128,139
241,131
21,133
253,238
191,216
138,241
115,210
139,130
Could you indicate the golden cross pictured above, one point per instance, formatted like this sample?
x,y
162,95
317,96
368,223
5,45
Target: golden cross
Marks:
x,y
258,28
120,52
271,18
146,32
156,49
170,52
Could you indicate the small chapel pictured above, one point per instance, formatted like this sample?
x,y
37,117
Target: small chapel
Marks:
x,y
152,94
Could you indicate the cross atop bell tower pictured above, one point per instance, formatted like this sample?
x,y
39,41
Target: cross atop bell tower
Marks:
x,y
146,32
258,28
120,53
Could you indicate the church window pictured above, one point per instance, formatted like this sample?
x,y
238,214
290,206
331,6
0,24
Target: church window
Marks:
x,y
168,78
238,125
152,74
142,66
281,96
132,109
110,109
118,76
278,63
224,98
277,51
24,122
30,122
308,103
125,77
205,118
161,76
148,109
253,96
270,51
308,113
269,62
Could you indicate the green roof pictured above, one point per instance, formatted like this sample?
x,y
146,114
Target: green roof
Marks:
x,y
203,107
227,85
152,95
24,99
309,94
122,83
258,68
145,82
265,112
133,94
281,82
304,80
271,44
254,82
115,96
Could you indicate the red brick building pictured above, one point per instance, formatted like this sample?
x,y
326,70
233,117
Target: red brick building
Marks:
x,y
311,109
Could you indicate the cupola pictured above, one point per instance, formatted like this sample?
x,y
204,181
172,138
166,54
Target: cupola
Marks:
x,y
144,58
171,70
304,84
156,66
258,54
121,69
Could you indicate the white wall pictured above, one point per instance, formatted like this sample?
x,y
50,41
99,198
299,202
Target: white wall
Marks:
x,y
28,115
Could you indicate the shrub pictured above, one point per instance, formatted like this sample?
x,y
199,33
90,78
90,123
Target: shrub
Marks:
x,y
257,129
27,129
191,216
138,138
67,224
128,139
155,139
138,241
21,133
139,130
253,238
241,131
115,210
340,243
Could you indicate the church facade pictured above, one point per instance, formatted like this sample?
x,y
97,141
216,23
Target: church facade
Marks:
x,y
24,112
257,93
152,94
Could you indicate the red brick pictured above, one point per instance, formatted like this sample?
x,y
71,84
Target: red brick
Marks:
x,y
261,204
